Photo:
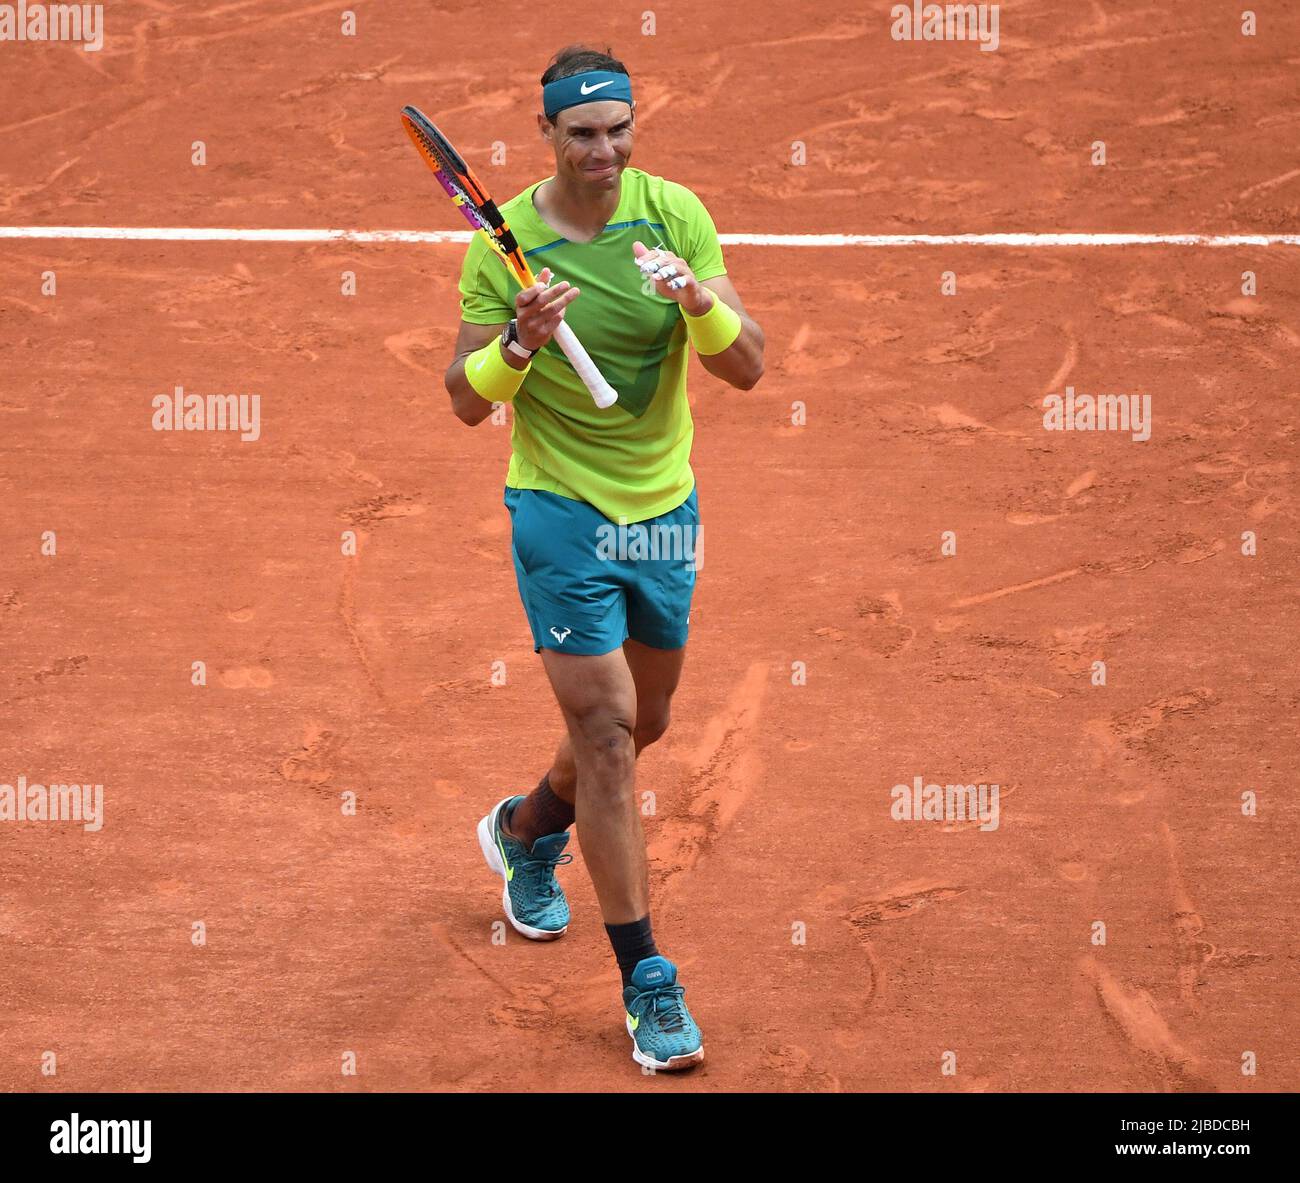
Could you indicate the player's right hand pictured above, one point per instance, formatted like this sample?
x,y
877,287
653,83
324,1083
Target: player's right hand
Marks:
x,y
539,309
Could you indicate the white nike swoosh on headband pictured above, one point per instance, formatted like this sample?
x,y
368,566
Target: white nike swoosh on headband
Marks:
x,y
588,89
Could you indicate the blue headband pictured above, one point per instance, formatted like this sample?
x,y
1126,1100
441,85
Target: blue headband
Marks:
x,y
595,86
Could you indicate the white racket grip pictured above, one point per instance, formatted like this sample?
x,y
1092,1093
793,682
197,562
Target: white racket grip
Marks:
x,y
601,391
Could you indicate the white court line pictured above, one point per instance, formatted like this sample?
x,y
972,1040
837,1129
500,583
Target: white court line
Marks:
x,y
198,234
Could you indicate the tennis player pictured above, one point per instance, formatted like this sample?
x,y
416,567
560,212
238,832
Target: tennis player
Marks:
x,y
639,278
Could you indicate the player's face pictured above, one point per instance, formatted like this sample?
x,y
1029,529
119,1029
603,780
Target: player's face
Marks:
x,y
593,143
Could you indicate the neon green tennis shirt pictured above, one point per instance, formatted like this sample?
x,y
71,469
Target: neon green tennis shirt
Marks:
x,y
631,460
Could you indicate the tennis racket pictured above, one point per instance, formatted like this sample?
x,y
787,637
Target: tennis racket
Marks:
x,y
480,211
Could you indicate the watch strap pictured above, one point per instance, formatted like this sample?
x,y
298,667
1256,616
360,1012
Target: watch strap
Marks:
x,y
511,339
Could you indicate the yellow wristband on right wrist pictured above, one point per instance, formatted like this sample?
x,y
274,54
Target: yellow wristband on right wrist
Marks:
x,y
716,330
491,376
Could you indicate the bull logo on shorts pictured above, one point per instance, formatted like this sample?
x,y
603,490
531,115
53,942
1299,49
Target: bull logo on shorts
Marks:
x,y
560,636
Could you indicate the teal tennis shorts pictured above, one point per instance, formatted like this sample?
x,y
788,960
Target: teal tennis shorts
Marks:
x,y
588,584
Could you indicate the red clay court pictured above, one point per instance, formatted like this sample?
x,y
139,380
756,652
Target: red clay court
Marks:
x,y
373,674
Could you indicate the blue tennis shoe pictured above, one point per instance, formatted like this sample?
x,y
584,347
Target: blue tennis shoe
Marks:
x,y
533,899
664,1036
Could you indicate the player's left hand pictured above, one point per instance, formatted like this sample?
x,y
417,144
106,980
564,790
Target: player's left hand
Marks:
x,y
673,279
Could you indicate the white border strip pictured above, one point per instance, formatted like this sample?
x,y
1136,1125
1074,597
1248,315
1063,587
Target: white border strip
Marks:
x,y
1012,239
199,234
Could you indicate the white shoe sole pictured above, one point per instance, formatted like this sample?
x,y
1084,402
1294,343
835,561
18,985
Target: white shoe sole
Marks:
x,y
487,829
672,1064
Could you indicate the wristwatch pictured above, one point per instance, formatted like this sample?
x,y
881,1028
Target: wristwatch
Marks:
x,y
510,339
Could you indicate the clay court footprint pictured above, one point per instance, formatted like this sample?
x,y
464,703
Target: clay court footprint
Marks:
x,y
905,900
246,677
1135,725
383,507
882,632
313,762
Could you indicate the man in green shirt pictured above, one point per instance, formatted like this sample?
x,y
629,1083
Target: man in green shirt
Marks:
x,y
606,530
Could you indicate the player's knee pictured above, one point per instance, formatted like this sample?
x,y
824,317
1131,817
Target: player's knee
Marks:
x,y
604,737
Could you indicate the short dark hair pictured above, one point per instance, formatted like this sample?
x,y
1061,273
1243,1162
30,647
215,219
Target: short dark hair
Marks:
x,y
578,59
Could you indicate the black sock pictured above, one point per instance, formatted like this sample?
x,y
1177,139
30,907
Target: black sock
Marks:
x,y
632,943
541,812
551,814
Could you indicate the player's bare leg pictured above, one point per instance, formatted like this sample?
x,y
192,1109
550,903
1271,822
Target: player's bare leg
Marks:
x,y
608,724
597,696
655,674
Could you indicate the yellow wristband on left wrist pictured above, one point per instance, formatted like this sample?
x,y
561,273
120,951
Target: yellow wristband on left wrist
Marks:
x,y
491,376
716,330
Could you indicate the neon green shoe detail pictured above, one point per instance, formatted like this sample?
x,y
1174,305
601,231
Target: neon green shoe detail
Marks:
x,y
533,899
668,1039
